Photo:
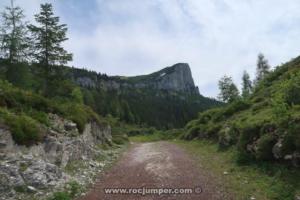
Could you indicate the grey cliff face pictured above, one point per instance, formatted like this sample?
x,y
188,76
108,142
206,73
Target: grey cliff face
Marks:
x,y
178,78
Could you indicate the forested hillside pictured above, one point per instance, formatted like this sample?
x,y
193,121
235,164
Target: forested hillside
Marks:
x,y
264,124
117,96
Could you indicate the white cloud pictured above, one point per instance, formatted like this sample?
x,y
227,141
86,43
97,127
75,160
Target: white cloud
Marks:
x,y
216,37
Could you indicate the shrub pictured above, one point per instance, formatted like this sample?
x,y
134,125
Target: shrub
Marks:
x,y
74,188
77,113
35,101
120,139
219,116
60,196
288,144
292,90
18,99
228,136
280,110
77,95
264,147
236,106
39,116
212,130
259,106
248,133
192,133
80,114
25,130
192,124
291,140
207,115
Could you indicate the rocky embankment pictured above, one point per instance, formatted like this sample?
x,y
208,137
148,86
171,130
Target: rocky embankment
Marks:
x,y
63,156
277,153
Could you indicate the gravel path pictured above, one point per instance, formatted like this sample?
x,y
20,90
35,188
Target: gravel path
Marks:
x,y
159,165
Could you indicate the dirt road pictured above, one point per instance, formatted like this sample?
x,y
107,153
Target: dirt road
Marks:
x,y
161,166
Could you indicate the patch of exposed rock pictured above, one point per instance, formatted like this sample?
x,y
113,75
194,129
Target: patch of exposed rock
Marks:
x,y
227,137
41,169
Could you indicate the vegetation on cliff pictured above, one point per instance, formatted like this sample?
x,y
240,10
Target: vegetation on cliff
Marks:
x,y
26,113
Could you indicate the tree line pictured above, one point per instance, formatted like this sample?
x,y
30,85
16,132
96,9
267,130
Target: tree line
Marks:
x,y
229,92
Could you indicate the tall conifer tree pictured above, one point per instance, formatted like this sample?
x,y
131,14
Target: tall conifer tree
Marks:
x,y
48,38
14,41
262,68
246,85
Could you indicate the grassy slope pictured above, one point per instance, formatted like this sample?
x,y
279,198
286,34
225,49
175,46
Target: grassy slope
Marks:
x,y
271,114
149,77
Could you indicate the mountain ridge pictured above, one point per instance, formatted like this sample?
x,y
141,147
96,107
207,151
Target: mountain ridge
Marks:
x,y
177,78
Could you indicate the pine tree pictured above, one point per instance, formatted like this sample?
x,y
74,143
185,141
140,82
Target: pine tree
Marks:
x,y
228,90
14,40
246,85
262,68
48,38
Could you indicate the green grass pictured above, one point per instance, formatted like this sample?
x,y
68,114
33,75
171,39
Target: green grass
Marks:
x,y
260,180
156,136
71,190
73,167
146,138
60,196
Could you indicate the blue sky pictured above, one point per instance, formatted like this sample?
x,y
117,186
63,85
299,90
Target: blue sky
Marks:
x,y
216,37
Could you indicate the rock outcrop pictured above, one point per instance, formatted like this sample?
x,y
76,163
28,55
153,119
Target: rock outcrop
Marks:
x,y
42,166
177,78
180,80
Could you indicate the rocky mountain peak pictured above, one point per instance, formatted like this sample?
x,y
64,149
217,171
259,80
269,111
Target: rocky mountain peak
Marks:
x,y
177,78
